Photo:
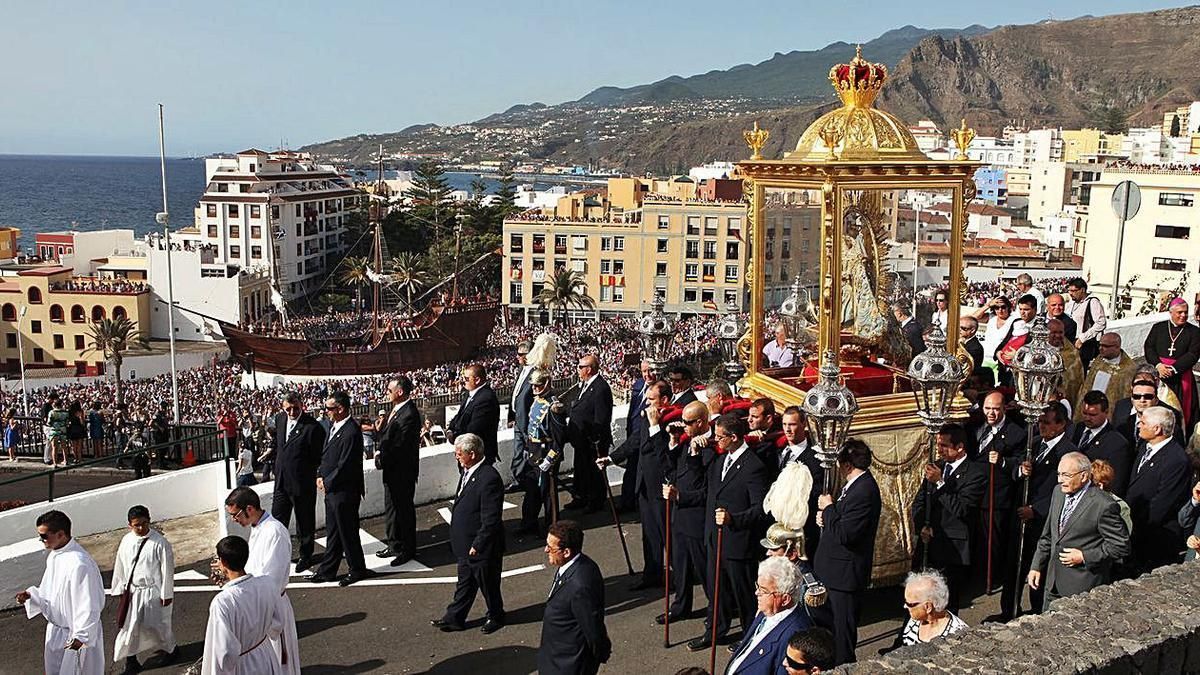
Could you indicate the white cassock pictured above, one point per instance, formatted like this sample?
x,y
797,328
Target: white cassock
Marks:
x,y
271,558
147,624
239,621
70,596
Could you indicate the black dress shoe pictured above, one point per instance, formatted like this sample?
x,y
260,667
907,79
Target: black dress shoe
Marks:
x,y
401,560
699,644
303,564
661,619
576,504
386,553
446,626
354,577
318,578
491,626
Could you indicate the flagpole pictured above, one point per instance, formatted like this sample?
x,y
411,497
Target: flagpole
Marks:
x,y
164,219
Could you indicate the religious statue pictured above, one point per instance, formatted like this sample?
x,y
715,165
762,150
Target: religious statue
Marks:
x,y
861,314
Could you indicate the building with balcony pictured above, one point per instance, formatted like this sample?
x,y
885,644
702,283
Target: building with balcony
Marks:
x,y
52,309
991,184
279,209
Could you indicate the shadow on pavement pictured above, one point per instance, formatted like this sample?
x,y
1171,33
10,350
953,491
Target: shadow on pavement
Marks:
x,y
360,667
307,627
507,660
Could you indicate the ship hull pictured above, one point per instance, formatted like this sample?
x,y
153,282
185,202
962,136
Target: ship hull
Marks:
x,y
453,335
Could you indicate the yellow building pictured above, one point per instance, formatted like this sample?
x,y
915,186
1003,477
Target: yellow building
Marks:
x,y
8,242
1083,145
52,309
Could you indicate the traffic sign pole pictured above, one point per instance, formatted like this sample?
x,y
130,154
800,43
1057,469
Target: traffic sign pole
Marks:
x,y
1126,201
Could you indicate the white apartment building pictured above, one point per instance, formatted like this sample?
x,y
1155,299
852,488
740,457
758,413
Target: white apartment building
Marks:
x,y
993,151
1038,145
257,199
1055,186
929,136
1158,243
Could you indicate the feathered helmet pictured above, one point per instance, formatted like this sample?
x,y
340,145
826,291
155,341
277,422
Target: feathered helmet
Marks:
x,y
543,353
787,502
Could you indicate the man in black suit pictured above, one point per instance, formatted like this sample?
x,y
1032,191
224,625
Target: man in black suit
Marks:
x,y
299,440
340,477
912,330
1049,447
800,449
681,379
687,520
736,487
574,639
968,329
589,431
946,509
765,436
479,412
1097,439
1002,435
476,538
650,443
637,403
847,549
1158,487
1143,396
398,455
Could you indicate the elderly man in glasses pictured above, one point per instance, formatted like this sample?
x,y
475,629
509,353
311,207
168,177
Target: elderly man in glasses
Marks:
x,y
764,642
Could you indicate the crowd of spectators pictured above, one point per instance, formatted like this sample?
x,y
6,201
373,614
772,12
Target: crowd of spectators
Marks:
x,y
86,285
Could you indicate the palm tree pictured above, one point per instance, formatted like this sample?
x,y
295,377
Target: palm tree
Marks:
x,y
563,290
409,275
356,275
112,337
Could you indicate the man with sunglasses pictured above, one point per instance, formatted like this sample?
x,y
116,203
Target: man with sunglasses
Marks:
x,y
589,431
340,477
1143,395
70,596
299,439
687,440
479,412
809,652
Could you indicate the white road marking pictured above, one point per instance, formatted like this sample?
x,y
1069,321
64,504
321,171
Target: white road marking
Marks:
x,y
444,512
399,581
370,545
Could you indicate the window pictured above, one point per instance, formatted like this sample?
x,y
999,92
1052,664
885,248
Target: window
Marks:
x,y
222,187
1175,199
232,210
38,354
579,243
10,340
710,272
256,231
662,245
710,226
787,226
79,344
35,326
235,231
58,342
235,251
660,269
516,243
275,212
618,267
514,293
119,312
664,222
35,295
1171,231
605,267
1168,264
735,227
56,314
98,313
689,295
618,243
730,296
731,273
212,231
255,211
618,293
9,312
560,244
707,295
710,250
691,272
731,250
785,271
256,252
579,265
693,225
539,243
77,314
785,250
606,243
693,249
211,210
299,212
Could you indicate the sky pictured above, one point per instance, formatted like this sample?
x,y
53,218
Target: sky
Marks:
x,y
86,77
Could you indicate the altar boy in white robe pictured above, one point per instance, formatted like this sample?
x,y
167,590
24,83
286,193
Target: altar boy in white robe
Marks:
x,y
240,618
270,557
71,597
146,567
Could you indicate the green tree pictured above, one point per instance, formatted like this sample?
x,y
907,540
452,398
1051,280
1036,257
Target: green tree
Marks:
x,y
1109,118
506,194
355,275
429,197
565,289
409,275
112,337
334,302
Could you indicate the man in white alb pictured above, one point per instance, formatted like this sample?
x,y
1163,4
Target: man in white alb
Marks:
x,y
240,617
71,597
145,567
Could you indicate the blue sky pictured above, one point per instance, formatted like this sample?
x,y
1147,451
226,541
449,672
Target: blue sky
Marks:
x,y
85,77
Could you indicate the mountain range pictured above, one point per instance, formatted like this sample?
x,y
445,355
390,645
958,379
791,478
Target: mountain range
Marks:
x,y
1054,73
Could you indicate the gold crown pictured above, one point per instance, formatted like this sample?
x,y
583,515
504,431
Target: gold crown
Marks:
x,y
858,82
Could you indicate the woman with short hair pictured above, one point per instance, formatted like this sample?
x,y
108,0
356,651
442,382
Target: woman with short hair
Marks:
x,y
925,597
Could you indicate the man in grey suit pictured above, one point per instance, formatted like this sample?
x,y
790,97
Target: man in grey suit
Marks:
x,y
1083,535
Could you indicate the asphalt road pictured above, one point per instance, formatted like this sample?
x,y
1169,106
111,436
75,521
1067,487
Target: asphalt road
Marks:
x,y
382,625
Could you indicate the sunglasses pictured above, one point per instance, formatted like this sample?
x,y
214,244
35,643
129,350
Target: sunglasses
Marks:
x,y
1143,397
44,536
333,407
796,665
691,421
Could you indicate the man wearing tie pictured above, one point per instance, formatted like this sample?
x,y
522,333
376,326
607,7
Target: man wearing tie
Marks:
x,y
637,403
518,415
574,639
476,538
479,412
847,549
399,457
999,440
589,431
1158,488
736,487
687,520
299,440
340,477
1098,439
764,642
799,449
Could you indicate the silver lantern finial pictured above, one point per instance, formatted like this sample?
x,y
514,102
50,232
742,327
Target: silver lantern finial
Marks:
x,y
729,332
1038,366
936,376
830,407
656,332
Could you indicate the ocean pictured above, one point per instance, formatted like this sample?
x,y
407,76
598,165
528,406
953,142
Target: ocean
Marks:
x,y
51,193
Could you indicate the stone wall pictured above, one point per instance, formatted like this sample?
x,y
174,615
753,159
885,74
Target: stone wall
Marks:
x,y
1146,625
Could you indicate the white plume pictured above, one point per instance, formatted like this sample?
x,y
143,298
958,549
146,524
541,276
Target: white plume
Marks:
x,y
787,500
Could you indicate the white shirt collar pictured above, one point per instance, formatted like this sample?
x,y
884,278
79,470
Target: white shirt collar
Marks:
x,y
337,426
470,472
954,465
1153,448
736,454
563,570
860,475
1050,443
769,624
1098,430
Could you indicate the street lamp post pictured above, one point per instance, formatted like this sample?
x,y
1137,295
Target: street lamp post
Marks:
x,y
21,353
830,407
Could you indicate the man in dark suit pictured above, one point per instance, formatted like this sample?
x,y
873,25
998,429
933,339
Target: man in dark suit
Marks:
x,y
574,639
1083,535
518,419
779,590
681,379
1158,488
589,431
799,448
476,538
1001,434
479,412
847,547
1143,396
946,509
968,329
736,486
637,403
340,477
913,332
650,443
398,455
1097,439
765,437
1189,521
687,520
299,440
1049,447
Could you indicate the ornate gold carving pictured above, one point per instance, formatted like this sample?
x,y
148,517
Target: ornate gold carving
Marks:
x,y
751,224
756,139
968,195
962,137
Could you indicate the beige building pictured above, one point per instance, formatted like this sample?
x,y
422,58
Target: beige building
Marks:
x,y
691,251
1059,187
1083,145
53,309
1158,245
